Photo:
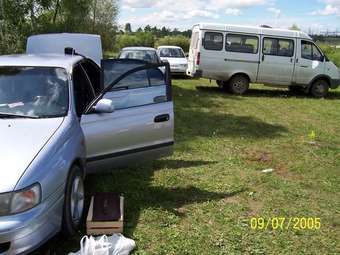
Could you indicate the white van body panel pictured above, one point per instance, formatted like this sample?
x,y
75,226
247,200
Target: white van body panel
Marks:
x,y
88,45
259,66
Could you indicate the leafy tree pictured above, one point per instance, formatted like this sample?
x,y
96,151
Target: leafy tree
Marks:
x,y
21,18
179,40
294,27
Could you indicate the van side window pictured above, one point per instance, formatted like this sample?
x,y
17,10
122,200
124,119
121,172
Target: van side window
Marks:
x,y
310,51
242,43
278,47
213,41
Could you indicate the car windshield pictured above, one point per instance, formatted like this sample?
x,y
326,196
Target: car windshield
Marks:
x,y
146,55
171,53
36,92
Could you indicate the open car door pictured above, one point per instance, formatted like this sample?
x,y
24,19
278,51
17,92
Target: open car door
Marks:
x,y
141,126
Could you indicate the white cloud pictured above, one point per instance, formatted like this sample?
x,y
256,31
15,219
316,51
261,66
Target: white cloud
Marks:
x,y
277,12
233,11
332,8
176,13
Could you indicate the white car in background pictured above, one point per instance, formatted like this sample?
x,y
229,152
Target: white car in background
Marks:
x,y
176,58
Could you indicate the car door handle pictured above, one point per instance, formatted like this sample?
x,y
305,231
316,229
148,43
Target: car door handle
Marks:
x,y
162,118
262,58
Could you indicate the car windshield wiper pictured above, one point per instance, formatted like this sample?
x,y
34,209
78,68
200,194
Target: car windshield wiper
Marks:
x,y
13,115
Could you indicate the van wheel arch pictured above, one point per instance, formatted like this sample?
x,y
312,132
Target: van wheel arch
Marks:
x,y
319,77
319,87
241,74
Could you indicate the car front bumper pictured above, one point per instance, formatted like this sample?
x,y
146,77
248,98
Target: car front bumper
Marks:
x,y
24,232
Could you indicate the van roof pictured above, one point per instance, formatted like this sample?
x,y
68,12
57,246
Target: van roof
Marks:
x,y
41,60
88,45
253,30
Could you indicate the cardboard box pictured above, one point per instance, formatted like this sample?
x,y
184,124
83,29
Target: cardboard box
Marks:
x,y
104,227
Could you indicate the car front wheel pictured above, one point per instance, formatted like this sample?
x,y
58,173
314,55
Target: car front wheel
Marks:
x,y
73,202
319,89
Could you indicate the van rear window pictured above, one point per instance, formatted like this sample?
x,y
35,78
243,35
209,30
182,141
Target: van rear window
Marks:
x,y
213,41
242,43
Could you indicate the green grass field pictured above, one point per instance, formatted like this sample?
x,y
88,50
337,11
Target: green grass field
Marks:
x,y
201,200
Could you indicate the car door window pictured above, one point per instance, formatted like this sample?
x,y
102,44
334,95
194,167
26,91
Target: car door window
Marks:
x,y
148,86
83,92
93,72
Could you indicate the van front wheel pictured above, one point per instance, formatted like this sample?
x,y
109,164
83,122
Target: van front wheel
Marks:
x,y
319,88
239,84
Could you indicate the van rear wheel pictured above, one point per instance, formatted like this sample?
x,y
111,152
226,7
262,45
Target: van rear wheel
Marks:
x,y
239,84
319,88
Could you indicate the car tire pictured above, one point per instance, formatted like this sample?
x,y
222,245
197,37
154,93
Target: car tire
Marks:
x,y
319,88
239,84
73,209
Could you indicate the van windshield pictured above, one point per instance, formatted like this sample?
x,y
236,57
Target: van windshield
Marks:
x,y
33,92
171,53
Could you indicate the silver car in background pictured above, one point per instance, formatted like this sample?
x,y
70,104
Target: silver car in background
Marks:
x,y
62,116
147,54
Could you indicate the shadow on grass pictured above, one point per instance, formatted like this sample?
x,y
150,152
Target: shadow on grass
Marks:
x,y
194,122
274,93
140,194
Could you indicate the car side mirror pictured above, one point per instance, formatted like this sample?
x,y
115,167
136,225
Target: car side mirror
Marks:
x,y
104,106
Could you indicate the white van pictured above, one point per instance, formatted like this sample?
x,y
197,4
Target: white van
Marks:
x,y
235,56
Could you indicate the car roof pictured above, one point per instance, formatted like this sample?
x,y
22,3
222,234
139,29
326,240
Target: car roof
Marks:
x,y
169,46
41,60
139,48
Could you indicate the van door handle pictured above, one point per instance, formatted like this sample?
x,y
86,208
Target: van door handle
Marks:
x,y
304,66
262,58
162,118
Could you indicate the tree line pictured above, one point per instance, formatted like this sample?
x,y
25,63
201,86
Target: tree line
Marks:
x,y
22,18
152,37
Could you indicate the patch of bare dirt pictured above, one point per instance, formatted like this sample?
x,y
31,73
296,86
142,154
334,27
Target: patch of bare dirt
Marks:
x,y
259,156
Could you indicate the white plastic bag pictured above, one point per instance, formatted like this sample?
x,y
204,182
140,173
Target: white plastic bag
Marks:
x,y
116,244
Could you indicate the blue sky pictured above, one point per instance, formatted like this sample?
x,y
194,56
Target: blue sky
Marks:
x,y
314,15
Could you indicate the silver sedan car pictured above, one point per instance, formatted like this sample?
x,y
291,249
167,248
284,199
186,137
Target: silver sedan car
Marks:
x,y
62,116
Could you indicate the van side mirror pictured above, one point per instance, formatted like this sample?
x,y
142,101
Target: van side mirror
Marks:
x,y
104,106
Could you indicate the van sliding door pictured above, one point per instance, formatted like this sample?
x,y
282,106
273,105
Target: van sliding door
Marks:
x,y
242,54
277,61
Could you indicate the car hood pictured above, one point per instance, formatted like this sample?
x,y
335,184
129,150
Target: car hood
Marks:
x,y
176,61
21,141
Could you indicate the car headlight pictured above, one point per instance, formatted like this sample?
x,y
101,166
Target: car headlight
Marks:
x,y
20,201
